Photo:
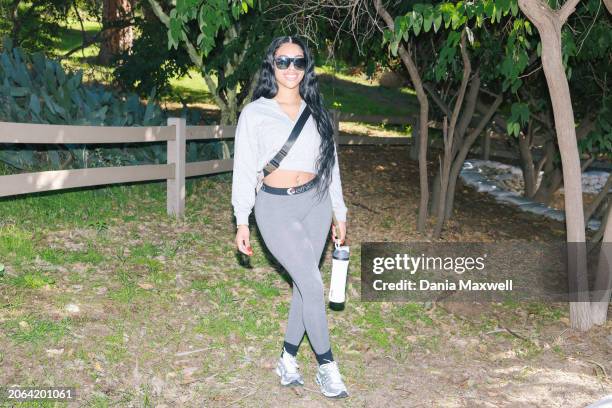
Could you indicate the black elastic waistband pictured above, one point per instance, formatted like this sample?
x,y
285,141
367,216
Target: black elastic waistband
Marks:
x,y
289,190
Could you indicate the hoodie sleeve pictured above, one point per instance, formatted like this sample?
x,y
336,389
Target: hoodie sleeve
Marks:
x,y
335,191
244,177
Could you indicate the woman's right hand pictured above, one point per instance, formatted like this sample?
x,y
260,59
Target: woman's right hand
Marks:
x,y
242,240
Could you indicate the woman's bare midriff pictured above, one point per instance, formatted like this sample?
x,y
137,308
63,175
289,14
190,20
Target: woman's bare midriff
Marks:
x,y
288,178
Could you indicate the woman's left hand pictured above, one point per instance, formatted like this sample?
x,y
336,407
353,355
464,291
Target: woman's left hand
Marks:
x,y
341,233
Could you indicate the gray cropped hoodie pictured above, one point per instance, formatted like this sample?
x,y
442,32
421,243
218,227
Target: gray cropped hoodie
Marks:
x,y
263,127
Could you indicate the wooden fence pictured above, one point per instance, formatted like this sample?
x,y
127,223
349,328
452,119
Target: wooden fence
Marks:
x,y
175,134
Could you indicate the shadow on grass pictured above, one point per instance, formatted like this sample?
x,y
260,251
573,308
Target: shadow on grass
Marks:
x,y
366,100
70,38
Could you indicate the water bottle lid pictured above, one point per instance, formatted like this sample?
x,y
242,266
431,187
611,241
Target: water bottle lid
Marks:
x,y
340,252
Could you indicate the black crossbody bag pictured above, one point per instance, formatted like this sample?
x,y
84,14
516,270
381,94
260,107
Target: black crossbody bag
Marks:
x,y
275,162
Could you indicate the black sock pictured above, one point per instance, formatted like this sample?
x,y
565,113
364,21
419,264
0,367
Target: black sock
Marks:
x,y
291,348
325,358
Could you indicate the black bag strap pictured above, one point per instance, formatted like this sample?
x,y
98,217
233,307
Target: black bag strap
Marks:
x,y
295,132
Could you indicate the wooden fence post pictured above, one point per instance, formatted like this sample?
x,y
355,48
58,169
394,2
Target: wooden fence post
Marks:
x,y
175,188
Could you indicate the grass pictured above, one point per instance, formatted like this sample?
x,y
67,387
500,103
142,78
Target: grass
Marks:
x,y
16,242
357,95
229,319
219,291
61,256
412,312
114,347
32,329
263,289
70,37
192,89
134,307
84,207
128,291
32,280
97,208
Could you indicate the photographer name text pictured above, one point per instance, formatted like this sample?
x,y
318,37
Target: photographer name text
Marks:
x,y
424,284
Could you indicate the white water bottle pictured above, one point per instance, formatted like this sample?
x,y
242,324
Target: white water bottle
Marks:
x,y
337,287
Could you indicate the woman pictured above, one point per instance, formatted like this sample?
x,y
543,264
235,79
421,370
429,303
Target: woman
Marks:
x,y
294,206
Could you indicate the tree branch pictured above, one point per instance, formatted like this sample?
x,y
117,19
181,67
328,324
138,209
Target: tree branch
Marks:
x,y
590,210
159,12
194,56
587,163
536,9
585,127
193,53
444,107
568,8
467,70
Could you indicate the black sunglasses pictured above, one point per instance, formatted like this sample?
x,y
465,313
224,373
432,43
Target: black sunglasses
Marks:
x,y
283,62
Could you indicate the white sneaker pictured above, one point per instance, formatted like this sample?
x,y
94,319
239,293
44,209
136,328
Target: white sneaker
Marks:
x,y
287,369
329,379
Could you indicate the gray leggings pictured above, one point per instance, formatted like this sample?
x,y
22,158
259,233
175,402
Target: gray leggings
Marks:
x,y
295,229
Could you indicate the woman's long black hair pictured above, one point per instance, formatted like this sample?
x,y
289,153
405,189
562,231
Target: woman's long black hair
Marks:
x,y
309,91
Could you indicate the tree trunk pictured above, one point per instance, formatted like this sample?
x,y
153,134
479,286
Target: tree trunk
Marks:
x,y
417,82
13,12
415,147
448,140
467,113
435,194
229,115
115,39
551,182
598,236
463,152
552,177
549,23
529,176
466,118
590,210
603,280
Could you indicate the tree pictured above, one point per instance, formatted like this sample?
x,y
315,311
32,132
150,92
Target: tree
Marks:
x,y
447,24
217,25
549,23
146,65
423,132
447,60
32,25
586,45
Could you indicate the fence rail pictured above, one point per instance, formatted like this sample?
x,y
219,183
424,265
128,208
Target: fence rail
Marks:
x,y
175,134
25,183
43,133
